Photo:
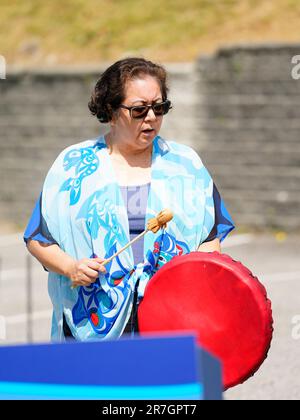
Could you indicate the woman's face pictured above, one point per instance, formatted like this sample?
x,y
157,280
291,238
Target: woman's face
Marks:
x,y
139,91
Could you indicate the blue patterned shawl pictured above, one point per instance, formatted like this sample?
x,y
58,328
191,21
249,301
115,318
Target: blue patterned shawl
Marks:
x,y
84,211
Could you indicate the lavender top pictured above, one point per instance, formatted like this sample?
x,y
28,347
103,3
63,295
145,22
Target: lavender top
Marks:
x,y
135,199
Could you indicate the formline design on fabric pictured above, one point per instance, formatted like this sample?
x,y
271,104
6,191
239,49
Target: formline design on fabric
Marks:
x,y
85,162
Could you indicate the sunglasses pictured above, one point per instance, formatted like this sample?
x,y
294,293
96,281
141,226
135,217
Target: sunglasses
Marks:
x,y
141,111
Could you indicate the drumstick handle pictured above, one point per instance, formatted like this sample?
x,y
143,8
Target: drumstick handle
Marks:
x,y
124,247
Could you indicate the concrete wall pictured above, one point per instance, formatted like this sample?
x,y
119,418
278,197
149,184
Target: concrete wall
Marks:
x,y
251,123
239,109
42,112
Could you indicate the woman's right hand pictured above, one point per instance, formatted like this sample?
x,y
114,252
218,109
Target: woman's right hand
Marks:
x,y
84,272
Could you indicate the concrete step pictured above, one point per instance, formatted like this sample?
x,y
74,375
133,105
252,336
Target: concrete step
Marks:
x,y
255,111
247,65
265,222
257,157
236,179
264,124
222,88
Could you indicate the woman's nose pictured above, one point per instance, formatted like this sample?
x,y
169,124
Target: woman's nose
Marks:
x,y
150,116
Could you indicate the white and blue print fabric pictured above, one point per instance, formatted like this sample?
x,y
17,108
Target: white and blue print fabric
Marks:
x,y
82,210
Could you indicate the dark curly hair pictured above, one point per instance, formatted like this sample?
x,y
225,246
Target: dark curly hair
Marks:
x,y
109,91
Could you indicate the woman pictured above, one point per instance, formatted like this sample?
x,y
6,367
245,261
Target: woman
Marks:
x,y
100,193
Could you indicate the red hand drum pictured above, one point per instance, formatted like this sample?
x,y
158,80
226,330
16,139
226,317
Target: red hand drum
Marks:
x,y
219,299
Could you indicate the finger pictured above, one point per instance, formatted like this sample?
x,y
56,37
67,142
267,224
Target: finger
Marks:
x,y
90,273
86,279
83,268
102,269
99,260
98,266
94,265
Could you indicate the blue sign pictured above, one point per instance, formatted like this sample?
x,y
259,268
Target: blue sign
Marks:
x,y
169,367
